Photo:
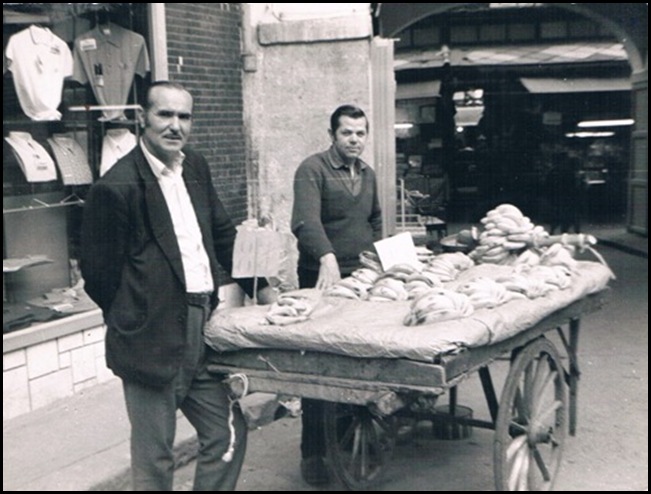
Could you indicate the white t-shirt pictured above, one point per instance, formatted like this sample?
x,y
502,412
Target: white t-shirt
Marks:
x,y
34,160
117,143
39,62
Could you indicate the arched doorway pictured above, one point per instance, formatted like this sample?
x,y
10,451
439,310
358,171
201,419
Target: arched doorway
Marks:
x,y
626,22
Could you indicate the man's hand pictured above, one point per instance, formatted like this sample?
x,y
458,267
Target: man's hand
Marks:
x,y
329,273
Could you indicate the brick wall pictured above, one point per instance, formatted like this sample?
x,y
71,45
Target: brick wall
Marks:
x,y
206,36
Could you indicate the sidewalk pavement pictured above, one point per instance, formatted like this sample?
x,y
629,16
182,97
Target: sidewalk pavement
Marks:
x,y
82,443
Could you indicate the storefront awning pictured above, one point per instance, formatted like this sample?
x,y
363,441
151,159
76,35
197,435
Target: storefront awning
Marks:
x,y
418,90
551,85
513,55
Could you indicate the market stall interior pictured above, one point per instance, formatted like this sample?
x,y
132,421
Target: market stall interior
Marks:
x,y
497,99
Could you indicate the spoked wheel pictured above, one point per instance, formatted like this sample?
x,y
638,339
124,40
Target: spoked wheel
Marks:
x,y
532,421
359,444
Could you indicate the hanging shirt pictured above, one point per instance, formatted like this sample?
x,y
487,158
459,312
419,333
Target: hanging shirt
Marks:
x,y
196,265
39,62
34,160
117,143
71,160
108,57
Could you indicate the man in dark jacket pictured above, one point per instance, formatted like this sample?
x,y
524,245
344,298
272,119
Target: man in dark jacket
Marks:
x,y
153,235
336,216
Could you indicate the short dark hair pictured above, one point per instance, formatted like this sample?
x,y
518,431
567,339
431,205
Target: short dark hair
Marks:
x,y
165,84
346,111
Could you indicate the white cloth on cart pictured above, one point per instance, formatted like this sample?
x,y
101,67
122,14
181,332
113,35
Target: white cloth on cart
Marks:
x,y
375,329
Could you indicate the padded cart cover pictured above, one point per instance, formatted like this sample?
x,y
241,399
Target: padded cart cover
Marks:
x,y
376,330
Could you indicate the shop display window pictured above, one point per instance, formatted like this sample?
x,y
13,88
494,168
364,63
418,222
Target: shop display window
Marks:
x,y
74,76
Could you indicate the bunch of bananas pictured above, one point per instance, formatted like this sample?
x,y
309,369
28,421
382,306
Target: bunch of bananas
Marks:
x,y
289,309
351,287
528,286
528,258
391,285
438,305
388,289
368,284
559,255
506,230
366,275
370,260
485,293
419,283
423,254
559,277
442,267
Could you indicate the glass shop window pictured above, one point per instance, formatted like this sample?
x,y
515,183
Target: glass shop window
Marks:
x,y
73,77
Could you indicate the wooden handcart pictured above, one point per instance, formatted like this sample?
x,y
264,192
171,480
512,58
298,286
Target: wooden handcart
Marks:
x,y
366,397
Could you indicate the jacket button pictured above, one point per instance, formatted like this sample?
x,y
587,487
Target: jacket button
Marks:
x,y
181,319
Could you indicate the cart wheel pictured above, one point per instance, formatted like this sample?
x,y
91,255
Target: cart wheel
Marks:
x,y
532,420
359,444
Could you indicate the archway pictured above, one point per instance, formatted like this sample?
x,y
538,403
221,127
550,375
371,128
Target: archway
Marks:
x,y
628,23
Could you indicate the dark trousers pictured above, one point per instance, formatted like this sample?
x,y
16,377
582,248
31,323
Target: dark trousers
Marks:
x,y
203,399
313,434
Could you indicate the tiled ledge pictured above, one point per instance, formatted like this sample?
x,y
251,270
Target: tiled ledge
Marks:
x,y
51,330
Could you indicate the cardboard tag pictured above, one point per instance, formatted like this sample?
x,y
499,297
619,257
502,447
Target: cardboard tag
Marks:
x,y
257,253
89,44
399,249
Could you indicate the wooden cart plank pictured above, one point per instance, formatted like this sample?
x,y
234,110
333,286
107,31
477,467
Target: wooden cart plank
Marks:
x,y
458,366
317,368
401,371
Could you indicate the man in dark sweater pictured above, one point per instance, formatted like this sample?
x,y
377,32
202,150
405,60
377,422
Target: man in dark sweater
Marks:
x,y
336,216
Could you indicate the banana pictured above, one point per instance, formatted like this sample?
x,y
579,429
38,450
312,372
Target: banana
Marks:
x,y
510,245
384,291
395,275
494,232
459,260
491,241
507,226
495,251
420,278
379,298
357,286
341,291
407,269
365,275
395,284
508,209
282,310
520,237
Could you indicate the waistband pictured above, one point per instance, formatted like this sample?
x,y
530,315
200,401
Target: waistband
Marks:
x,y
199,299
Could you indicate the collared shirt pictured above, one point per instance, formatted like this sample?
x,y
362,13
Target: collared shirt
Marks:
x,y
196,265
117,143
34,160
109,57
71,160
352,178
39,62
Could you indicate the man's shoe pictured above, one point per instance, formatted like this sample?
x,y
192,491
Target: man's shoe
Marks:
x,y
314,471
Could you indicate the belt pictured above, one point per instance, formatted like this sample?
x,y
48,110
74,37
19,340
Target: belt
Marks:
x,y
199,299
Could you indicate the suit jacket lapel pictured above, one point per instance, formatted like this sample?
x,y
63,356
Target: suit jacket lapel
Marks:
x,y
159,217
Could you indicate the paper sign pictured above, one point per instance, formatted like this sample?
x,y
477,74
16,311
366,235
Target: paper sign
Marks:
x,y
399,249
258,252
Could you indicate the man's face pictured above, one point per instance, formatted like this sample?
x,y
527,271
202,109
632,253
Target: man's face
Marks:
x,y
350,137
167,122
